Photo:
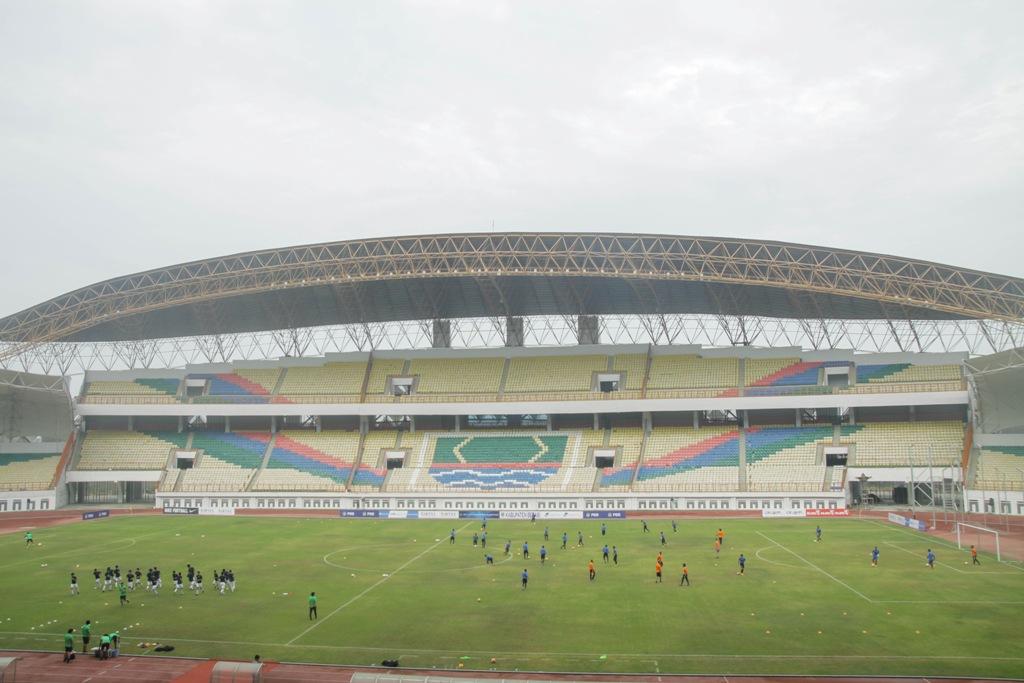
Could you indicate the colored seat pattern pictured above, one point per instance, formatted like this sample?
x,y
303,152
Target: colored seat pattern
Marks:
x,y
785,458
621,475
27,471
689,450
372,470
295,452
488,463
241,382
134,387
906,373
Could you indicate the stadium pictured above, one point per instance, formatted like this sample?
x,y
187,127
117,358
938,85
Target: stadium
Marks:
x,y
356,411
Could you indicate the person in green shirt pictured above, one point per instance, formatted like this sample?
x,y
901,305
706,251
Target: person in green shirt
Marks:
x,y
122,590
115,643
86,631
69,645
104,646
28,539
312,606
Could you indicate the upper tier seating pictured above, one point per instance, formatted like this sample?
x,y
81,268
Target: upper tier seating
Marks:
x,y
457,375
632,366
497,461
903,373
1000,468
124,450
27,471
691,459
764,372
899,444
380,371
159,390
558,374
251,382
341,381
304,460
693,372
785,458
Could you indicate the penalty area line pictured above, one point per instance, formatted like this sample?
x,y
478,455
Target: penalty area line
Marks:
x,y
370,588
811,564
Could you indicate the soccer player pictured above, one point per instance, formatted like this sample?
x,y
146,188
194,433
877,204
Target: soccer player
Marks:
x,y
104,646
28,539
86,635
543,554
604,528
674,526
545,533
661,557
644,522
231,580
817,534
931,559
131,582
720,536
526,550
874,557
565,539
451,536
508,547
96,576
488,559
579,539
685,576
74,584
122,592
483,526
177,581
743,565
107,577
657,571
115,642
525,578
312,606
533,517
615,555
591,570
69,645
199,582
483,540
974,556
663,541
191,577
604,553
476,539
718,548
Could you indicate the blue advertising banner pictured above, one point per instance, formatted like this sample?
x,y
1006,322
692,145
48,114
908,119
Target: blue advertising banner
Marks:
x,y
478,514
363,513
96,514
604,514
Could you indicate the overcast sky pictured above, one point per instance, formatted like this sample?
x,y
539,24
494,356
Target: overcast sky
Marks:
x,y
140,134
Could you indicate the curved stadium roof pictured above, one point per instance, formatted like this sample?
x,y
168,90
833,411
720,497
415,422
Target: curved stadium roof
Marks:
x,y
513,274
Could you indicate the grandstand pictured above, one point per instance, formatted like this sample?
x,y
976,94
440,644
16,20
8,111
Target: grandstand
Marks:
x,y
378,419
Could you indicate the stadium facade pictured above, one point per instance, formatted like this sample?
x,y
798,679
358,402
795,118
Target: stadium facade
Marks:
x,y
556,373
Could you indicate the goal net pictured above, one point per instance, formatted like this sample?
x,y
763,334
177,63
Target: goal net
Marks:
x,y
985,540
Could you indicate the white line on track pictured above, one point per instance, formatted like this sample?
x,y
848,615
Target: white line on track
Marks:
x,y
808,562
626,655
371,587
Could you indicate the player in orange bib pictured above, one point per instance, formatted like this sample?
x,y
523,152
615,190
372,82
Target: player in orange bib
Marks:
x,y
657,572
590,568
685,576
720,537
718,548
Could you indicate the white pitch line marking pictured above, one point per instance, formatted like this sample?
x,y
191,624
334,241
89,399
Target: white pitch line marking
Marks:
x,y
808,562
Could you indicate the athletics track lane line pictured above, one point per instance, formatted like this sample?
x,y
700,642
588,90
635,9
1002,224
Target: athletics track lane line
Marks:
x,y
367,590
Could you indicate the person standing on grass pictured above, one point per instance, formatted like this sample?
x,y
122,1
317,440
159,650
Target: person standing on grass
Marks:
x,y
931,559
604,528
508,547
565,539
28,539
974,556
543,554
675,527
718,548
545,533
96,577
874,557
74,584
604,553
615,555
476,538
663,541
579,539
525,578
69,646
451,536
312,607
526,550
720,537
743,565
645,529
817,534
657,571
483,540
591,570
685,576
122,592
86,635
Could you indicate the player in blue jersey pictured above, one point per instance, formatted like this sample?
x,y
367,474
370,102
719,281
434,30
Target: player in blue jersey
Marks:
x,y
874,557
743,565
525,578
931,559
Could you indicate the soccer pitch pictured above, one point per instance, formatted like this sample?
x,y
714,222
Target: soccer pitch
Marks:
x,y
393,589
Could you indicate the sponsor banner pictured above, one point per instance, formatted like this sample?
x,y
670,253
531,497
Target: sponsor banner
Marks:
x,y
179,510
827,512
223,512
604,514
478,514
96,514
402,514
438,514
784,513
907,522
363,513
543,514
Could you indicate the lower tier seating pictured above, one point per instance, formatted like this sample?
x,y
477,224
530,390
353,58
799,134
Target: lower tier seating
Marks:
x,y
1000,468
124,450
785,458
497,461
27,471
690,459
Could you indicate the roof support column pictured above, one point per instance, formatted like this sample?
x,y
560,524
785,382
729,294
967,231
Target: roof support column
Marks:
x,y
588,329
442,334
514,331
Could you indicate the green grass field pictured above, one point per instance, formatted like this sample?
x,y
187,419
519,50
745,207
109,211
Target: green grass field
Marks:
x,y
388,589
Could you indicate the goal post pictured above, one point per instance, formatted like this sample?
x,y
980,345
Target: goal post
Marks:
x,y
984,539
